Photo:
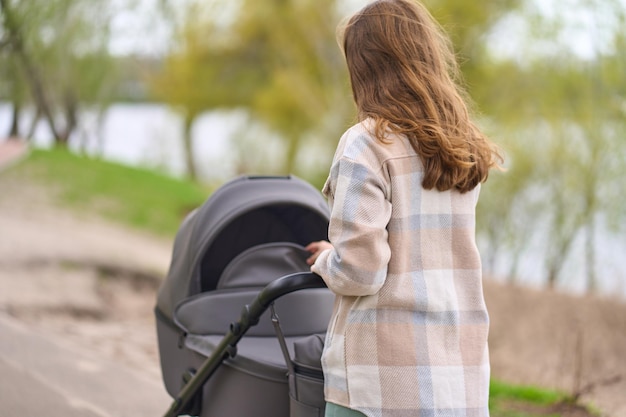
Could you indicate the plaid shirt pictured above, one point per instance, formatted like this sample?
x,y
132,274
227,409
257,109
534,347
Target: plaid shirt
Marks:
x,y
408,335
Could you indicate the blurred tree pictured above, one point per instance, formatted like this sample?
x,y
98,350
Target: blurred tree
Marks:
x,y
16,91
208,69
16,32
59,48
469,23
508,200
601,119
557,114
277,59
568,114
307,91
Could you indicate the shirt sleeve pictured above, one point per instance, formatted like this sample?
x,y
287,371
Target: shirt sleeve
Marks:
x,y
360,213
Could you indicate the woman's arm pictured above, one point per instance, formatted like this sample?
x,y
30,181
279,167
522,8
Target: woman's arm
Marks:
x,y
356,262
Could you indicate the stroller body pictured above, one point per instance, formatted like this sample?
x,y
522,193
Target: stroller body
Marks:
x,y
248,234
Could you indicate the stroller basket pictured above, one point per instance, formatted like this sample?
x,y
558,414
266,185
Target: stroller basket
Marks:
x,y
234,257
306,379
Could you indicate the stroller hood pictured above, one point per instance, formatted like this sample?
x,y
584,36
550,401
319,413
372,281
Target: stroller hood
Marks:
x,y
243,213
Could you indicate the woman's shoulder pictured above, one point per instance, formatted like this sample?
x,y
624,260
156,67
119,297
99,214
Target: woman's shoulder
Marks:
x,y
358,133
360,144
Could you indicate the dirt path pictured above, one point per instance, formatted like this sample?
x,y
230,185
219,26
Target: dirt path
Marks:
x,y
576,345
89,281
94,283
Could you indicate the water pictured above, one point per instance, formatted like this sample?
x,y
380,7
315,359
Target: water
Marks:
x,y
610,265
149,135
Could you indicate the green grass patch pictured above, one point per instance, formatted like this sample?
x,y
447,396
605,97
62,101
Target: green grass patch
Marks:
x,y
140,198
499,390
527,401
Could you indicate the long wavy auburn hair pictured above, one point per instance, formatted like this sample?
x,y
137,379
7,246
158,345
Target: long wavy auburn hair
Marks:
x,y
404,74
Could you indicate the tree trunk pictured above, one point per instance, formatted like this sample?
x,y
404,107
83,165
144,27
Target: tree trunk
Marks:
x,y
557,260
99,133
14,130
553,273
71,120
512,275
32,75
292,153
590,257
33,124
188,146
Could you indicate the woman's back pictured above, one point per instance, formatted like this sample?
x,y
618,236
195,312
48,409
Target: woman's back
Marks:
x,y
419,340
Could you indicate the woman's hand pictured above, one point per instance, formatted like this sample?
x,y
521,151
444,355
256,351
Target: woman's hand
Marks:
x,y
316,248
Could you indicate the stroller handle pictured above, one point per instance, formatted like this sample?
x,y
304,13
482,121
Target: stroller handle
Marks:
x,y
250,316
283,286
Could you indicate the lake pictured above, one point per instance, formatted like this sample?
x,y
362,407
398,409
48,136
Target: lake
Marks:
x,y
146,135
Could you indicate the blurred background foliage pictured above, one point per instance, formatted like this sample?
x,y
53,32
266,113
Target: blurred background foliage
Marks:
x,y
547,80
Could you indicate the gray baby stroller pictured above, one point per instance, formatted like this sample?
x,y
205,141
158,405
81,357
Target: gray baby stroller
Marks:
x,y
238,266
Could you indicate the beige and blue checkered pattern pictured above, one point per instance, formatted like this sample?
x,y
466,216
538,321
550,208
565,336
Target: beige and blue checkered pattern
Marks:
x,y
408,335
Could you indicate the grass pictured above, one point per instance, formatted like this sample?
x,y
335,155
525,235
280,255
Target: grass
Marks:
x,y
499,390
516,401
139,198
507,400
156,203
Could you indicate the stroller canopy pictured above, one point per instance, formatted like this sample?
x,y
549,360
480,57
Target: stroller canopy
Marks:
x,y
243,213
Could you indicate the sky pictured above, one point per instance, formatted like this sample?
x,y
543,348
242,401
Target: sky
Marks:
x,y
138,27
585,30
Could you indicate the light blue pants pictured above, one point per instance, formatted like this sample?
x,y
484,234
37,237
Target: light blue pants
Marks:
x,y
334,410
